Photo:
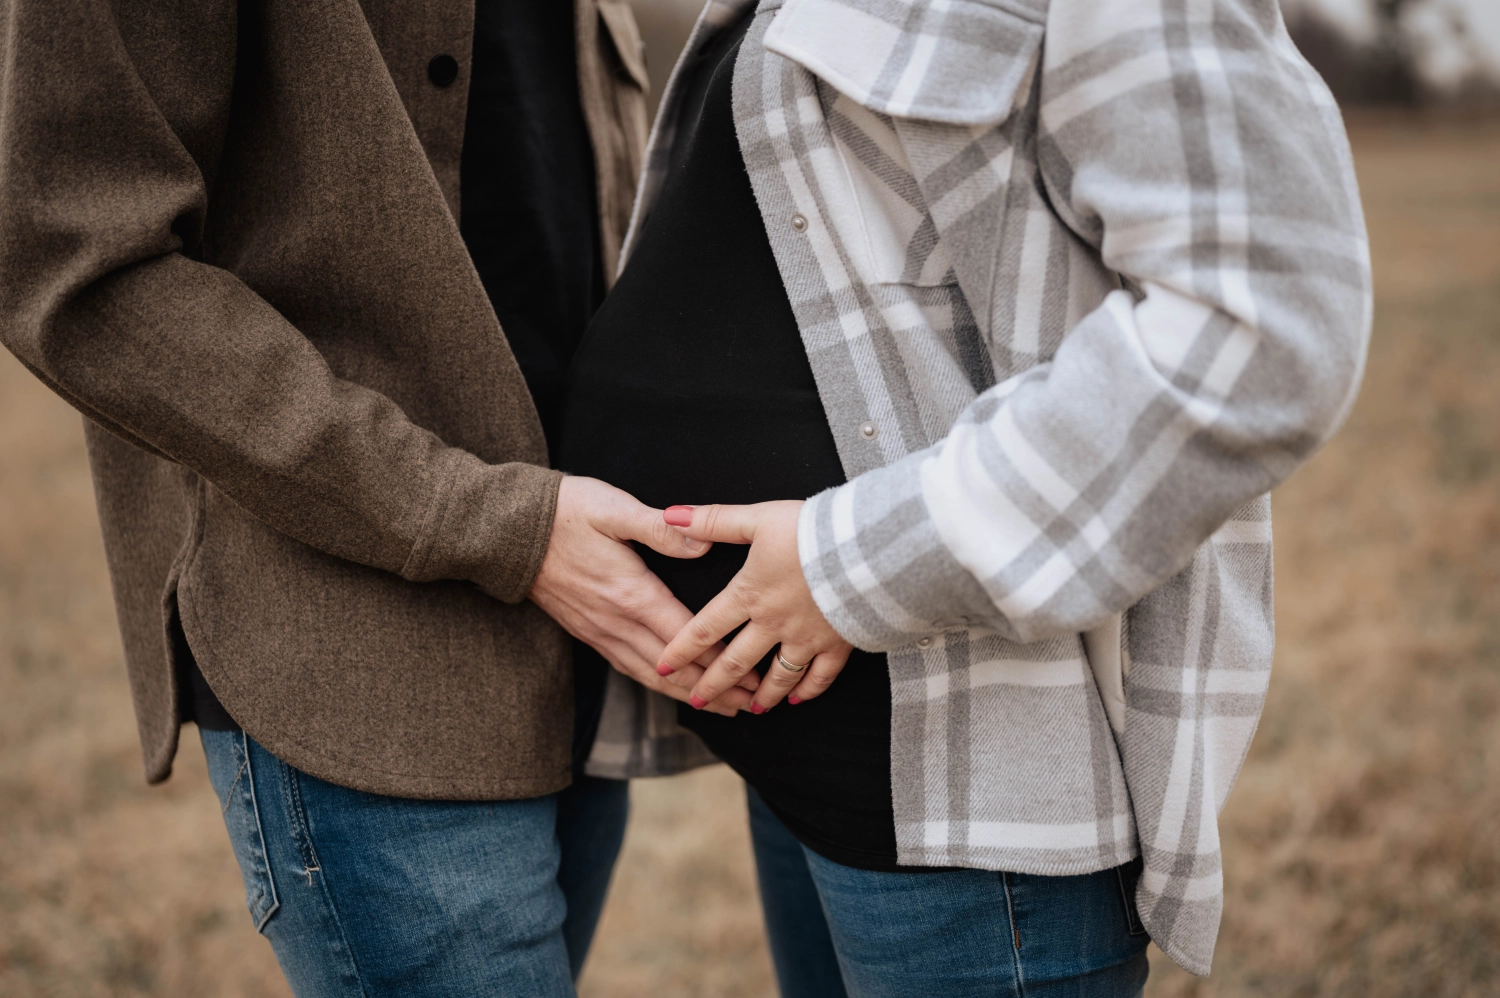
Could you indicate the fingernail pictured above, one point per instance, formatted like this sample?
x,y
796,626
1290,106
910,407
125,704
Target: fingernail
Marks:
x,y
756,708
793,699
664,669
694,547
697,702
679,516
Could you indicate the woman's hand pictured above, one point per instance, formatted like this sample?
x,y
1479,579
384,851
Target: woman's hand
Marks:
x,y
770,593
594,584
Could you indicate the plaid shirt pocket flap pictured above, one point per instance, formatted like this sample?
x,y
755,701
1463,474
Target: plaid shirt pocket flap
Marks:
x,y
962,62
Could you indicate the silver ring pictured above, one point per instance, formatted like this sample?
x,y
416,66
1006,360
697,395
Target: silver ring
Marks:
x,y
789,666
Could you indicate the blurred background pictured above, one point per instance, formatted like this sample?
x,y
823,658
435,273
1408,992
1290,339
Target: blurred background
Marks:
x,y
1362,844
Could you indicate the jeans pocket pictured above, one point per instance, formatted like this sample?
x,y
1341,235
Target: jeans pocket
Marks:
x,y
1129,875
232,772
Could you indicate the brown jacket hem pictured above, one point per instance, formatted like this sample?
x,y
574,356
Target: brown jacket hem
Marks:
x,y
326,765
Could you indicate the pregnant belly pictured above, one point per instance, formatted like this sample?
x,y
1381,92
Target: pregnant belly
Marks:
x,y
670,445
824,767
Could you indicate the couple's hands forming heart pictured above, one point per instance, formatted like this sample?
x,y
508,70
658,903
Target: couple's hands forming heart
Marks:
x,y
769,596
595,585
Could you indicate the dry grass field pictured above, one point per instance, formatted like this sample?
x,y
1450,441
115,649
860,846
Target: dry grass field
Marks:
x,y
1362,844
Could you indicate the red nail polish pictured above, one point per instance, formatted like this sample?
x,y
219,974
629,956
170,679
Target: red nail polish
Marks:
x,y
793,699
679,516
697,702
756,708
664,669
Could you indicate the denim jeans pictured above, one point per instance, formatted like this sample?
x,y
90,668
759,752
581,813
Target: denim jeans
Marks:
x,y
836,931
367,895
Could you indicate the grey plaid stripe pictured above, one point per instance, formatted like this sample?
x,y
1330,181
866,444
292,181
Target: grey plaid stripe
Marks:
x,y
1130,293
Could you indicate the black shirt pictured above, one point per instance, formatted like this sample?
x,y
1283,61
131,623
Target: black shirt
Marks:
x,y
528,218
692,386
527,190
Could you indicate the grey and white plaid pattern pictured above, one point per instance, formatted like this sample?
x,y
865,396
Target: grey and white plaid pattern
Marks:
x,y
1073,309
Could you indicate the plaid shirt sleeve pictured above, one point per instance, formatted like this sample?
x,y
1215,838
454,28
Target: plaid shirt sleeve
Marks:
x,y
1205,164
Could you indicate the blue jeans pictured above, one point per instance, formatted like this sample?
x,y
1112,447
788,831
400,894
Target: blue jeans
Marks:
x,y
363,895
836,931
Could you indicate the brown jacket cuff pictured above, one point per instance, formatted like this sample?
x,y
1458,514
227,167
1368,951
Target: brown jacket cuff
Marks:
x,y
489,524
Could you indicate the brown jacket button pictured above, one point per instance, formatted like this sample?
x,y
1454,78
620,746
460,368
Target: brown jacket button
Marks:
x,y
442,70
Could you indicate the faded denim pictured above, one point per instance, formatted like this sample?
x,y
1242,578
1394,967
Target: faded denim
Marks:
x,y
955,933
364,895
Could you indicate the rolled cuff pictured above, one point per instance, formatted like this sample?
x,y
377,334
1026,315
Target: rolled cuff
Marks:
x,y
489,524
878,568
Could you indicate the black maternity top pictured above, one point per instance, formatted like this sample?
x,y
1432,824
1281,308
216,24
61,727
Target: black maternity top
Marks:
x,y
692,386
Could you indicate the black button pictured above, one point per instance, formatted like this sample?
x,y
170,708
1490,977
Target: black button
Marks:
x,y
442,70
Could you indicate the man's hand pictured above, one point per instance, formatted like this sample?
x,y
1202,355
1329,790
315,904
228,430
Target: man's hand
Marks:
x,y
771,594
595,585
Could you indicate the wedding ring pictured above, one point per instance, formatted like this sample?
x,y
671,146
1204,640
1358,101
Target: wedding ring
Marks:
x,y
789,666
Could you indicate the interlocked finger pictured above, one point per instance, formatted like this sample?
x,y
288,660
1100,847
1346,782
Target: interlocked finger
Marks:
x,y
748,647
628,652
723,614
688,677
820,674
781,677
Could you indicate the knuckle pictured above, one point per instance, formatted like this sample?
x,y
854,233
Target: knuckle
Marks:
x,y
752,596
628,602
700,631
732,666
662,533
620,593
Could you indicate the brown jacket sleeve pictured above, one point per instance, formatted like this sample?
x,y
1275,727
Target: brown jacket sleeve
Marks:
x,y
105,295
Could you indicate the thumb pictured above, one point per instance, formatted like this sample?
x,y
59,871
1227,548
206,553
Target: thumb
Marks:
x,y
649,526
730,524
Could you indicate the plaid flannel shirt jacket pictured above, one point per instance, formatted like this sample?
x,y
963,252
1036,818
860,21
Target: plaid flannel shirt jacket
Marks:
x,y
1080,282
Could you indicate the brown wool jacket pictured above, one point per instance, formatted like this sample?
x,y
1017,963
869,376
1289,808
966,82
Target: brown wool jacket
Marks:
x,y
228,237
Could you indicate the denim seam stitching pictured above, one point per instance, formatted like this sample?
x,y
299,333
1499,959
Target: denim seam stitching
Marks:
x,y
312,865
238,775
303,828
1015,936
265,854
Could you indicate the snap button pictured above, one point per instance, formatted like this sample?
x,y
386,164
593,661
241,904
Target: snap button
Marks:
x,y
869,431
799,223
924,642
442,70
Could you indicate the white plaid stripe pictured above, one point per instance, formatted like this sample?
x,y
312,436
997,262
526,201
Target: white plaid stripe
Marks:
x,y
1053,451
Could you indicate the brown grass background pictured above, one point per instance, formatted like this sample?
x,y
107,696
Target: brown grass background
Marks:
x,y
1362,844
